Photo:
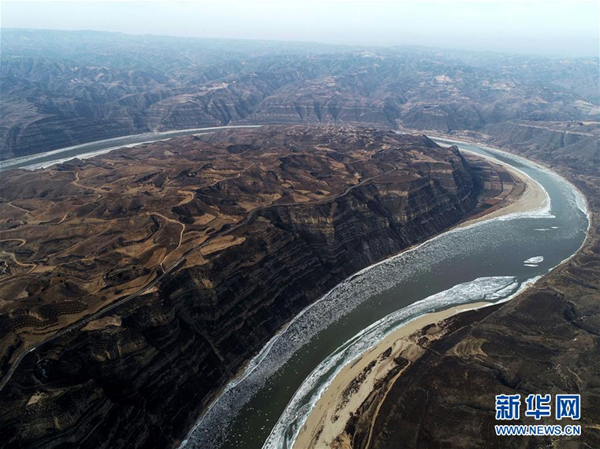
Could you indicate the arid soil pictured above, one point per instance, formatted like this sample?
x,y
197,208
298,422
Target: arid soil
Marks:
x,y
326,426
160,248
61,88
137,283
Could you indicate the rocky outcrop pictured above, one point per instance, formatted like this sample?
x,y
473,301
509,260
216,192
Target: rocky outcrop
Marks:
x,y
564,143
140,375
544,341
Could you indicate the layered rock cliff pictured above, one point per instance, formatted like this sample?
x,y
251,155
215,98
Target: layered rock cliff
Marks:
x,y
545,340
140,374
556,143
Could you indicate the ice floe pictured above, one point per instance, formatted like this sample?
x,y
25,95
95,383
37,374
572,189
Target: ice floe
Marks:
x,y
534,260
293,418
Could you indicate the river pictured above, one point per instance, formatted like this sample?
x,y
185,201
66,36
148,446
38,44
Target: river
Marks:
x,y
491,260
91,149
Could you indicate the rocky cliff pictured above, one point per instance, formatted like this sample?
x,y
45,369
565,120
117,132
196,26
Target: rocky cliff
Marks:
x,y
555,143
140,374
545,340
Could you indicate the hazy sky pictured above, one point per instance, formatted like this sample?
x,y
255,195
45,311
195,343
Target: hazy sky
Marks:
x,y
562,28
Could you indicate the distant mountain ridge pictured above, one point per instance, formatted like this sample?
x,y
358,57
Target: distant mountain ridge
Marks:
x,y
62,88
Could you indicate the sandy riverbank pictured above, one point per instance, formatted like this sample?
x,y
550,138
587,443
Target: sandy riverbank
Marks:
x,y
354,383
533,198
324,428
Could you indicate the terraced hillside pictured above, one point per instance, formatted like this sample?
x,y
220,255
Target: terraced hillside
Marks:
x,y
135,284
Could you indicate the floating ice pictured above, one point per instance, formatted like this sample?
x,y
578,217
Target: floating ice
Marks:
x,y
214,427
293,418
580,201
534,260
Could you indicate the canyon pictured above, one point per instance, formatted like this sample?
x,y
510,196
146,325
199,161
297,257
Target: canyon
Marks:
x,y
137,283
545,339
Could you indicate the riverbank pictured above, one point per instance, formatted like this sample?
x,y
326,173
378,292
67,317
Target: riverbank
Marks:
x,y
326,423
143,192
96,148
563,309
532,198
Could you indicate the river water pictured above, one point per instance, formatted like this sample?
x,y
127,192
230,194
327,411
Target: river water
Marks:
x,y
490,261
86,150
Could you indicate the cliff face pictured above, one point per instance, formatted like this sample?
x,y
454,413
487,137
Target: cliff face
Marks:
x,y
556,143
545,340
139,375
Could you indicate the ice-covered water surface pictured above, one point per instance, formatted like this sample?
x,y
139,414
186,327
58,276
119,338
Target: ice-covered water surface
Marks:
x,y
91,149
304,356
293,418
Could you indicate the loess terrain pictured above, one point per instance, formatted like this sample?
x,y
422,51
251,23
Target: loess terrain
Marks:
x,y
142,281
135,284
65,88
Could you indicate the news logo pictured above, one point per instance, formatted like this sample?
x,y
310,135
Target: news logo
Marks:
x,y
538,406
568,406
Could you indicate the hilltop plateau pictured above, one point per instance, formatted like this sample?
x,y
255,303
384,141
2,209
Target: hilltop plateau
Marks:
x,y
135,284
